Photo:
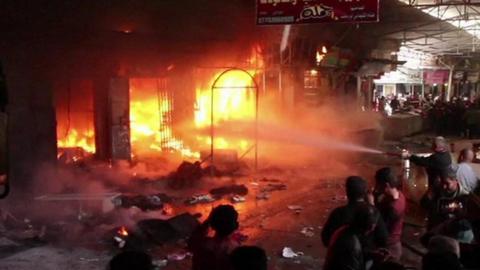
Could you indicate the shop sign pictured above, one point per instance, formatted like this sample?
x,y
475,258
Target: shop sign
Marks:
x,y
436,76
271,12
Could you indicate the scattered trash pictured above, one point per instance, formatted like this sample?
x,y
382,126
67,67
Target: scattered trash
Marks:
x,y
160,263
143,202
263,196
308,231
288,252
178,256
416,234
205,198
270,180
120,242
238,199
274,187
297,208
241,190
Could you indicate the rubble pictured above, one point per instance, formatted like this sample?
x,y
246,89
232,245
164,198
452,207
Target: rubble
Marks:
x,y
274,187
198,199
297,208
237,199
178,256
241,190
143,202
288,253
157,231
263,196
308,231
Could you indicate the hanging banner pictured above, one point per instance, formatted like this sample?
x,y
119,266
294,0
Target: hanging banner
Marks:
x,y
270,12
435,76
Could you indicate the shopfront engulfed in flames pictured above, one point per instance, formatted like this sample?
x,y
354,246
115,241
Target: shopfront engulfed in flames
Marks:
x,y
161,119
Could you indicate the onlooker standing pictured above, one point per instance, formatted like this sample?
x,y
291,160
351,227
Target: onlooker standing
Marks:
x,y
213,253
356,189
435,163
391,203
445,204
467,178
345,251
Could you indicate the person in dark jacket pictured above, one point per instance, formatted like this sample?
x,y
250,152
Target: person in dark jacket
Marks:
x,y
356,189
434,163
446,204
345,251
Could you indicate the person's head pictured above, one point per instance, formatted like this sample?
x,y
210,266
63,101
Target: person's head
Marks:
x,y
386,181
356,188
129,260
441,261
365,219
439,144
248,258
440,244
224,220
448,179
466,155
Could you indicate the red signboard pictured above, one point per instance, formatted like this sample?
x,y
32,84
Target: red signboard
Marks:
x,y
316,11
435,76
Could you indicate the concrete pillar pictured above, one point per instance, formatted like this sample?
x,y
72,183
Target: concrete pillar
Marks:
x,y
119,104
32,124
101,117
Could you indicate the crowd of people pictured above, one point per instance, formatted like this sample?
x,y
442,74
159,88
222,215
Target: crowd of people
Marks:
x,y
366,232
457,117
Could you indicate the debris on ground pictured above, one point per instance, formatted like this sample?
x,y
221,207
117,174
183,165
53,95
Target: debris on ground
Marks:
x,y
160,263
308,231
237,199
274,187
178,256
297,208
143,202
288,253
198,199
158,231
187,174
241,190
263,196
270,180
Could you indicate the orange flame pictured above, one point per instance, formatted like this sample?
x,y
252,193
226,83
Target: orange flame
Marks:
x,y
74,116
234,98
151,109
122,231
75,138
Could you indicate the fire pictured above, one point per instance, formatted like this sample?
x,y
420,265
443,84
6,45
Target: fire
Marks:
x,y
151,109
234,98
74,115
84,139
122,231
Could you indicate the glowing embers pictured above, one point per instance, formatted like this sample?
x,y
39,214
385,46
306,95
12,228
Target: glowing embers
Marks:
x,y
151,107
74,116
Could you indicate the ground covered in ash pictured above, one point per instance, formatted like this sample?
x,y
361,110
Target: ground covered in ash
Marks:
x,y
285,208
